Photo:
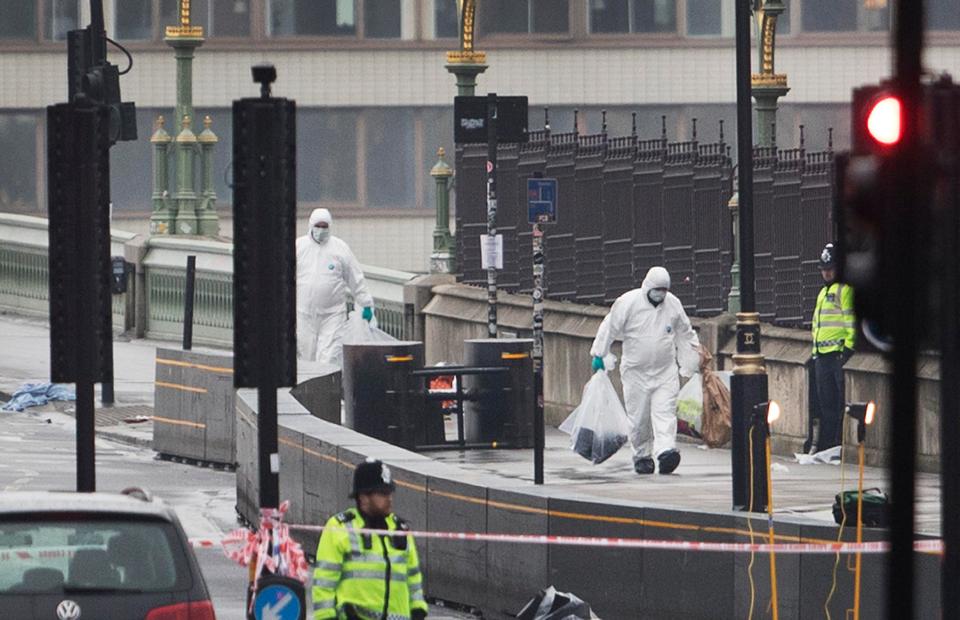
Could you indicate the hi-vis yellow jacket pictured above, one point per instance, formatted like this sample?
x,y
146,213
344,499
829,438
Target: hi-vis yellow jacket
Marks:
x,y
377,575
834,324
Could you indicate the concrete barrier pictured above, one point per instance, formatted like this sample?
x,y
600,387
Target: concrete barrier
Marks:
x,y
317,461
194,404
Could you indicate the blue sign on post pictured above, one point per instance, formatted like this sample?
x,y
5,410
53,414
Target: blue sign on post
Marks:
x,y
277,602
541,201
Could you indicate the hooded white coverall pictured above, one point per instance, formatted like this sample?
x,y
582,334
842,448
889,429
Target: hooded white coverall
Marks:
x,y
655,340
325,272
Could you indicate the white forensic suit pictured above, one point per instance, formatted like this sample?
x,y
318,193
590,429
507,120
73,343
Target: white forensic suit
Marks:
x,y
655,340
326,270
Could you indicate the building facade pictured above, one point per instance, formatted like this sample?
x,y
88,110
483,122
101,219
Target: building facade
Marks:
x,y
375,100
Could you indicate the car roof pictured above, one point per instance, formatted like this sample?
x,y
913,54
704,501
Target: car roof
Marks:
x,y
14,503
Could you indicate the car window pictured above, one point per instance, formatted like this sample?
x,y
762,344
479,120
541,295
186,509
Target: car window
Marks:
x,y
79,554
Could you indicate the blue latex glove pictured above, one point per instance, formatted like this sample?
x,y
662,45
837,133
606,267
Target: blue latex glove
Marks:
x,y
597,363
367,313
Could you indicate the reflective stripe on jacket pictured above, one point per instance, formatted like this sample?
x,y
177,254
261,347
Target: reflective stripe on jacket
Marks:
x,y
367,572
834,323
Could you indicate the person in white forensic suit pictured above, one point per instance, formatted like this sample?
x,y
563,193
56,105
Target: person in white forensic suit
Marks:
x,y
658,341
326,271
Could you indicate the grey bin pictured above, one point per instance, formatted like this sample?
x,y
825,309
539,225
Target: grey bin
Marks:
x,y
382,400
503,409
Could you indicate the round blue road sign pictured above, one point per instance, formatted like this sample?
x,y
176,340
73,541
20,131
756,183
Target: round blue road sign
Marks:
x,y
277,602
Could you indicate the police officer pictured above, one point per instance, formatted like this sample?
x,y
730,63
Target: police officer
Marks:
x,y
834,333
363,576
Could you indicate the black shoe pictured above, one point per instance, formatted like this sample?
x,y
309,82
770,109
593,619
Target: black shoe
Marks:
x,y
669,461
643,466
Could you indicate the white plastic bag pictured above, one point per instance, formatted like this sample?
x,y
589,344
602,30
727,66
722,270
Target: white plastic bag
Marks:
x,y
360,331
690,402
599,426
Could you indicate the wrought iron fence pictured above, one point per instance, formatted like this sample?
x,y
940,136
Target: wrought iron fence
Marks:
x,y
626,204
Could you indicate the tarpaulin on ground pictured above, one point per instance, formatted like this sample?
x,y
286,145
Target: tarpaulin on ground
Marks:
x,y
37,394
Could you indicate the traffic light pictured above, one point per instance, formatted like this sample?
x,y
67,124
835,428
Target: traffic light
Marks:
x,y
264,232
93,80
862,200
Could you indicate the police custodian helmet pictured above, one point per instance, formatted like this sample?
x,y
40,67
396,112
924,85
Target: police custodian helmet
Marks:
x,y
370,477
827,257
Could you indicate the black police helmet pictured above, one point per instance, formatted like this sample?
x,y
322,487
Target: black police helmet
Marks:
x,y
827,257
371,477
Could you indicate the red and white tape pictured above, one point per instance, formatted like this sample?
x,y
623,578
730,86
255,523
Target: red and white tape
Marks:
x,y
923,546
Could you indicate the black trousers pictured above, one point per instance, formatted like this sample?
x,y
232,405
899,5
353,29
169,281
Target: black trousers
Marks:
x,y
828,372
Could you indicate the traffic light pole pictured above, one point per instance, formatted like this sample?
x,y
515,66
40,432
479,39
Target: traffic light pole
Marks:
x,y
908,270
950,358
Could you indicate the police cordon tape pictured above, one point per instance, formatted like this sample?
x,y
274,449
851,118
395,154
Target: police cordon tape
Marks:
x,y
920,546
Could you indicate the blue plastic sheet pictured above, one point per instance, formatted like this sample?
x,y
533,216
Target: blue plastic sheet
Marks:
x,y
37,394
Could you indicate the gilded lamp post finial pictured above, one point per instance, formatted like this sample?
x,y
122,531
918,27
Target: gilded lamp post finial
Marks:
x,y
768,85
466,63
184,29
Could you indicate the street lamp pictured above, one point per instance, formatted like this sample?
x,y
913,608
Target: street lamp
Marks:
x,y
864,414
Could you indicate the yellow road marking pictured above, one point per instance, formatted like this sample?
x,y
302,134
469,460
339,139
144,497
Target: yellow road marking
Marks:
x,y
183,388
218,369
157,418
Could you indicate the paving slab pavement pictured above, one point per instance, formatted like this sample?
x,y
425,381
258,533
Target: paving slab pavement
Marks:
x,y
702,482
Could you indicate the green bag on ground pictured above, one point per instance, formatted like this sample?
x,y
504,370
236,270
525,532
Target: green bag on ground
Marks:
x,y
875,504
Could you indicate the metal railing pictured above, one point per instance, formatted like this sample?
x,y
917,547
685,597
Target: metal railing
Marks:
x,y
24,275
24,283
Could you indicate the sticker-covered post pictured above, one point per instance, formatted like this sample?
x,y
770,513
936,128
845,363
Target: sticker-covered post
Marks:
x,y
541,209
492,212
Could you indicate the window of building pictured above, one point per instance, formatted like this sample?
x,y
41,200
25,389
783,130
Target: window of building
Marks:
x,y
381,19
133,19
785,19
18,19
312,17
437,132
18,163
524,16
327,155
446,22
942,15
704,17
846,15
390,158
60,17
616,16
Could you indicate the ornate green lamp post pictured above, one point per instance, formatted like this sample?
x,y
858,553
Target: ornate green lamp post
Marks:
x,y
465,63
186,213
733,299
207,219
162,219
767,86
442,259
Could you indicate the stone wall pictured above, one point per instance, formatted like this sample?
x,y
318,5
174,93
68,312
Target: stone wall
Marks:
x,y
454,313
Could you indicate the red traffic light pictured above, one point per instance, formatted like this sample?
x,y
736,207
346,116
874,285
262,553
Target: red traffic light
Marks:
x,y
885,121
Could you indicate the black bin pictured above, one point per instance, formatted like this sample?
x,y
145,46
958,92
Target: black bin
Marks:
x,y
380,397
502,411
